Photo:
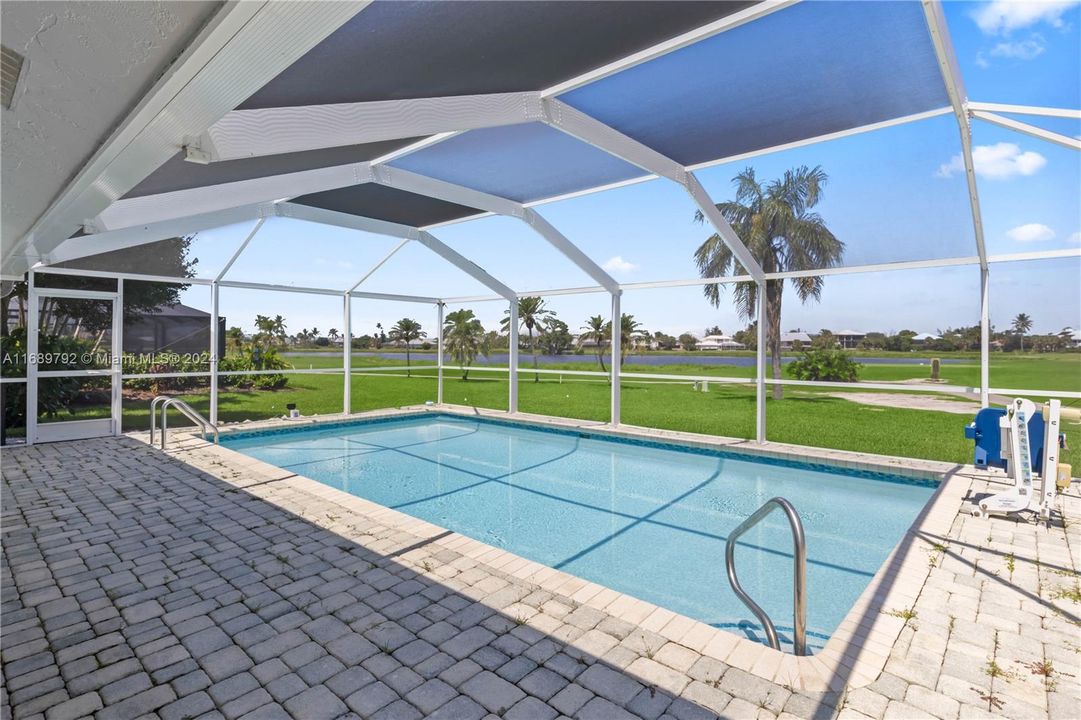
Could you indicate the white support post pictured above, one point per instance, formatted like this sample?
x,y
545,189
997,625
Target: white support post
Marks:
x,y
985,337
512,404
760,367
617,353
440,307
347,354
33,322
215,341
118,360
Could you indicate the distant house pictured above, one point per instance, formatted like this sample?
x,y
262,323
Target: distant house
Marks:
x,y
788,339
1073,337
719,342
924,337
172,328
849,338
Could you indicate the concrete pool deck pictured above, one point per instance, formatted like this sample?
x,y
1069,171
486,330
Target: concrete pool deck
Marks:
x,y
203,582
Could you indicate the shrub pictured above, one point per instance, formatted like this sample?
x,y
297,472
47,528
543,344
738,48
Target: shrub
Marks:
x,y
824,364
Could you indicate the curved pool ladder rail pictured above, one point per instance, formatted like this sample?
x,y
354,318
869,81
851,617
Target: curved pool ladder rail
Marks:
x,y
167,401
799,569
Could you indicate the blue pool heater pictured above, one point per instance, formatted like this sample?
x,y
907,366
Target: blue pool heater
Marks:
x,y
1023,442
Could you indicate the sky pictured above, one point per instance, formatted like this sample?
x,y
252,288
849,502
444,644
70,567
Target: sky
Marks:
x,y
894,194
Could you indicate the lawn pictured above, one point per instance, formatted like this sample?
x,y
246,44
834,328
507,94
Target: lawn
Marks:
x,y
804,416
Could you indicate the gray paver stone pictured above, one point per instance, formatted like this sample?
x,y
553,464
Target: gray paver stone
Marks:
x,y
493,692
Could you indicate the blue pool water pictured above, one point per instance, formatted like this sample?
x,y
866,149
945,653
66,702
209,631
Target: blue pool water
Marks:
x,y
646,519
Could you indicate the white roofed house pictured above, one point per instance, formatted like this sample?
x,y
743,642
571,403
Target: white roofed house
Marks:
x,y
849,339
719,342
789,339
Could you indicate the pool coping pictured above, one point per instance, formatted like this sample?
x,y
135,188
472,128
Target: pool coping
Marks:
x,y
856,651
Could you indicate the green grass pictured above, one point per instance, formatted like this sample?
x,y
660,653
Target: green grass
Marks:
x,y
806,416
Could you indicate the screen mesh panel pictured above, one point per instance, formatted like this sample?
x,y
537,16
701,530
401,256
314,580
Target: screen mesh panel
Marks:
x,y
521,162
385,203
396,50
179,174
807,70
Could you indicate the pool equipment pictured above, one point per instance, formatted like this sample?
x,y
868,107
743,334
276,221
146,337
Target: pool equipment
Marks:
x,y
1023,443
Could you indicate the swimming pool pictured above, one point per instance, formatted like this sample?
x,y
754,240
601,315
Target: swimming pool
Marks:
x,y
646,519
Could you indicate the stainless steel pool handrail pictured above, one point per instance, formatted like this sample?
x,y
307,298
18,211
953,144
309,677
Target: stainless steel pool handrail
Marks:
x,y
187,410
799,569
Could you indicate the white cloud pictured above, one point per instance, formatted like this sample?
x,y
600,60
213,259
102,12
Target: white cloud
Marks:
x,y
1020,49
1000,161
1031,232
1003,16
618,264
1075,238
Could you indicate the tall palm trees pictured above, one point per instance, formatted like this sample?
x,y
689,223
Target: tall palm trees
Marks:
x,y
597,331
1021,325
630,330
532,315
404,332
463,338
776,223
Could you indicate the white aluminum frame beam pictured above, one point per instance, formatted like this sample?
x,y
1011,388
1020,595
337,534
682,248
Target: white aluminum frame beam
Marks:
x,y
592,131
1071,114
449,192
379,264
690,37
405,232
223,196
272,131
1030,130
955,89
123,238
243,47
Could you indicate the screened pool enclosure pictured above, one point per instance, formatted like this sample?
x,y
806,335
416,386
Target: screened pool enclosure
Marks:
x,y
373,131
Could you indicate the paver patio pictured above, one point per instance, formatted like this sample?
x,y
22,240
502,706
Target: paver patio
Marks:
x,y
139,583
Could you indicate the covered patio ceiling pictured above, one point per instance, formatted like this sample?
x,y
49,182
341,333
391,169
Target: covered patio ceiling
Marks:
x,y
399,117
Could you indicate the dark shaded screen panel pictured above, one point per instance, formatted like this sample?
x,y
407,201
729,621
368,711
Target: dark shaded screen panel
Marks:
x,y
179,174
521,162
398,50
385,203
808,70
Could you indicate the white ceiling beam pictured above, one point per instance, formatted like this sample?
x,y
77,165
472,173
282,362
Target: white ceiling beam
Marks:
x,y
590,130
124,238
449,192
272,131
240,249
1031,130
1026,110
406,232
955,89
465,265
379,264
243,47
209,198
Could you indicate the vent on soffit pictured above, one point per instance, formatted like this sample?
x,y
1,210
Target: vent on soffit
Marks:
x,y
11,70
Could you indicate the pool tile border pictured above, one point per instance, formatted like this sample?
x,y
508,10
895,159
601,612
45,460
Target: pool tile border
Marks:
x,y
857,650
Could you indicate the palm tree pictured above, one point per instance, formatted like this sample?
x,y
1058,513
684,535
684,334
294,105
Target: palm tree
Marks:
x,y
463,338
332,334
1021,325
595,330
777,225
532,315
404,332
630,331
